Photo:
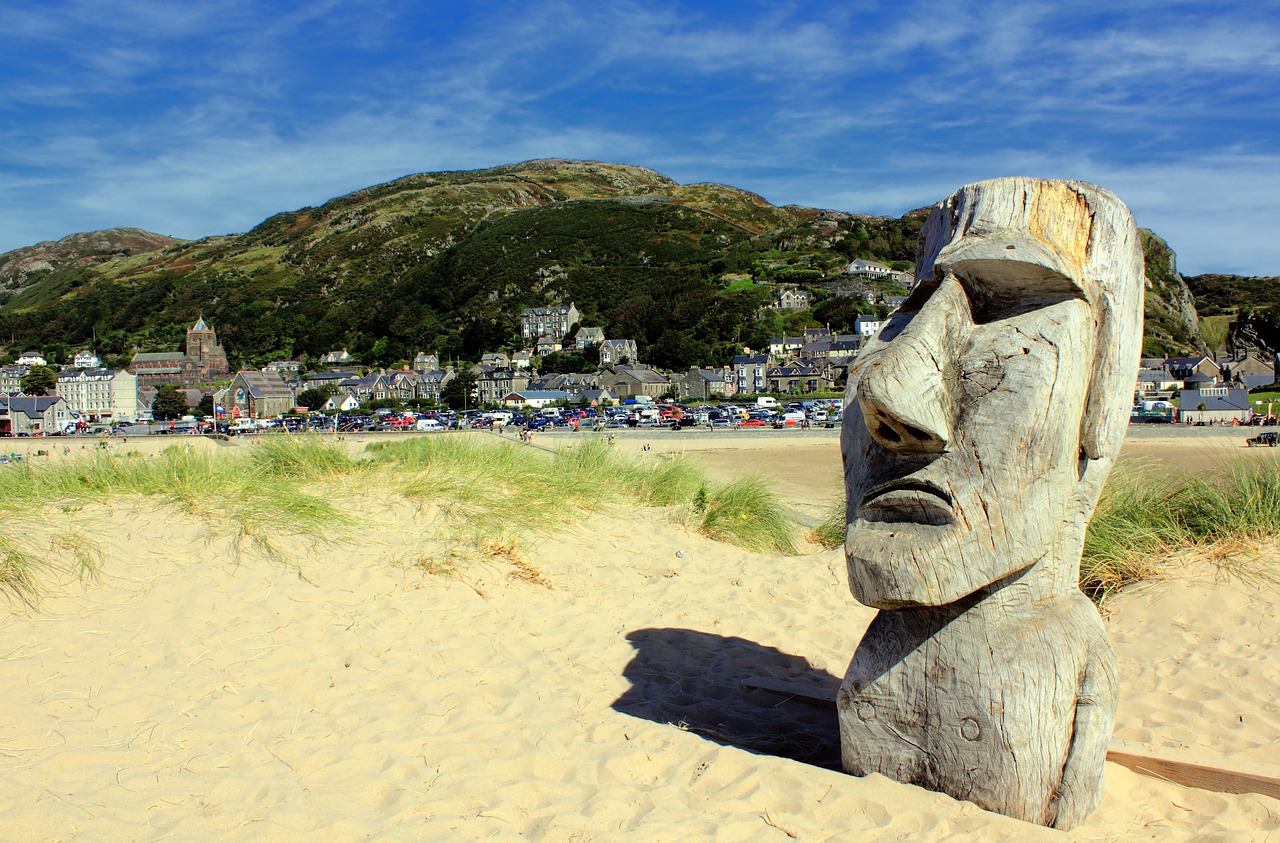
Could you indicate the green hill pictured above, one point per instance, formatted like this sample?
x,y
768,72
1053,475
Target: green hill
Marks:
x,y
445,262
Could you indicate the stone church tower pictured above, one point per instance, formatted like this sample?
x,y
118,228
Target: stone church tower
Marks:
x,y
203,348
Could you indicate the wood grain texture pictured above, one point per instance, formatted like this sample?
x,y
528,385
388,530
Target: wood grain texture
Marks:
x,y
979,427
1179,767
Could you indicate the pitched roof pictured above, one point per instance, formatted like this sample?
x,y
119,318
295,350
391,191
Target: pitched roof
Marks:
x,y
32,406
155,356
264,384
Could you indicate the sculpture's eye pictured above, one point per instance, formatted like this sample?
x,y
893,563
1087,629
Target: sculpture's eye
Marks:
x,y
999,290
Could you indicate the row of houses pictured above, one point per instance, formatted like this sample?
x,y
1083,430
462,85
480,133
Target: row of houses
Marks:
x,y
1168,375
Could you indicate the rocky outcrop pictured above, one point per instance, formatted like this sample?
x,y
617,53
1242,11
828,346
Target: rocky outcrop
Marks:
x,y
21,268
1171,324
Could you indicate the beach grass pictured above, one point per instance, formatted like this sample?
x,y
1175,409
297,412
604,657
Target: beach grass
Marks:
x,y
488,489
254,498
483,493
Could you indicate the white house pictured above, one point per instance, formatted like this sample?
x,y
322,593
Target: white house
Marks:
x,y
867,326
86,360
867,269
341,402
535,398
31,358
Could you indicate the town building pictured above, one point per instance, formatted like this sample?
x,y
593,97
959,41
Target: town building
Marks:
x,y
547,345
618,352
867,269
11,379
335,358
535,398
31,358
799,376
631,381
493,386
791,299
99,394
781,347
204,361
699,384
749,373
204,349
86,359
284,368
572,383
554,322
1248,370
867,326
587,337
32,414
258,395
1214,404
1183,368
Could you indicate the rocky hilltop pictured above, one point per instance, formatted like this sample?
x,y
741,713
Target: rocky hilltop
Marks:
x,y
23,267
446,262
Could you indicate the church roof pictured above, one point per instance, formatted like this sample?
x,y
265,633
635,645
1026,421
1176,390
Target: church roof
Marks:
x,y
200,324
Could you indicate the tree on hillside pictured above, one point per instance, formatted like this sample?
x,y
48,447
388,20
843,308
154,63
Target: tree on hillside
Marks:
x,y
459,392
314,398
39,380
168,404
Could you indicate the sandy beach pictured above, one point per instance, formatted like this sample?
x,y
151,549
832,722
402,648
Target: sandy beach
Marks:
x,y
195,692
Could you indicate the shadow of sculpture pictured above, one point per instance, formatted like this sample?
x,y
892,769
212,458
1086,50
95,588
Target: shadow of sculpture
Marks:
x,y
694,680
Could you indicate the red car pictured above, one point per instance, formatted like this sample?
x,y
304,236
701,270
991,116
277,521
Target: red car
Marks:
x,y
752,423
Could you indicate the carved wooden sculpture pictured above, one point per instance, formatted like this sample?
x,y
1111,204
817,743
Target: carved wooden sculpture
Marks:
x,y
979,427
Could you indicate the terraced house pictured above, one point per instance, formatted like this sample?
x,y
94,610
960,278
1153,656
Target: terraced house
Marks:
x,y
494,386
536,322
99,394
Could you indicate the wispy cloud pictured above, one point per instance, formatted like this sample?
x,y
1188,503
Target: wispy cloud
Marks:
x,y
205,117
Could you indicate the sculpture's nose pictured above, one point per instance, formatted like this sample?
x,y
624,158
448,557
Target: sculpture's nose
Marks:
x,y
902,390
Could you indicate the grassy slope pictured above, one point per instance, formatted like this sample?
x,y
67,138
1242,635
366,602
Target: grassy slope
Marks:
x,y
484,492
340,274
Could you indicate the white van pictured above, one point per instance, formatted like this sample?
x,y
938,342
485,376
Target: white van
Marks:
x,y
766,401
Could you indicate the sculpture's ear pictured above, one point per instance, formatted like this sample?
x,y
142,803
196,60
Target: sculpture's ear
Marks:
x,y
1117,345
1098,434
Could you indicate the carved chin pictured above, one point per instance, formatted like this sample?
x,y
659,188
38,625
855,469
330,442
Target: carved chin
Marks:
x,y
895,564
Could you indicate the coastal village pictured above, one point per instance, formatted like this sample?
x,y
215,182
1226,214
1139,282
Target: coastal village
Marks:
x,y
89,397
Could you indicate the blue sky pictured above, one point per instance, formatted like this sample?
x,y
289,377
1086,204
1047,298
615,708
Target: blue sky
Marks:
x,y
201,118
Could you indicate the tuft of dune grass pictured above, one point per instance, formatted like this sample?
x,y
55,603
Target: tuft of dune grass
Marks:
x,y
488,485
255,497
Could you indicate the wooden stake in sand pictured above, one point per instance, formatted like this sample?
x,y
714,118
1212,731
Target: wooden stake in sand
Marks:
x,y
979,427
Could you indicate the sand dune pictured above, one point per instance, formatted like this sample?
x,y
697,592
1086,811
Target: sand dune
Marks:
x,y
595,693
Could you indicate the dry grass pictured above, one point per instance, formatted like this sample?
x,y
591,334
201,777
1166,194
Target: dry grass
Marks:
x,y
484,495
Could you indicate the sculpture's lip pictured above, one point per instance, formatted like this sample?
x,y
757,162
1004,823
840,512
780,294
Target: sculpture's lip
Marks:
x,y
914,501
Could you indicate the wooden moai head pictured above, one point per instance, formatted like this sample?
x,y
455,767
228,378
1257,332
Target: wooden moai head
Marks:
x,y
983,419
